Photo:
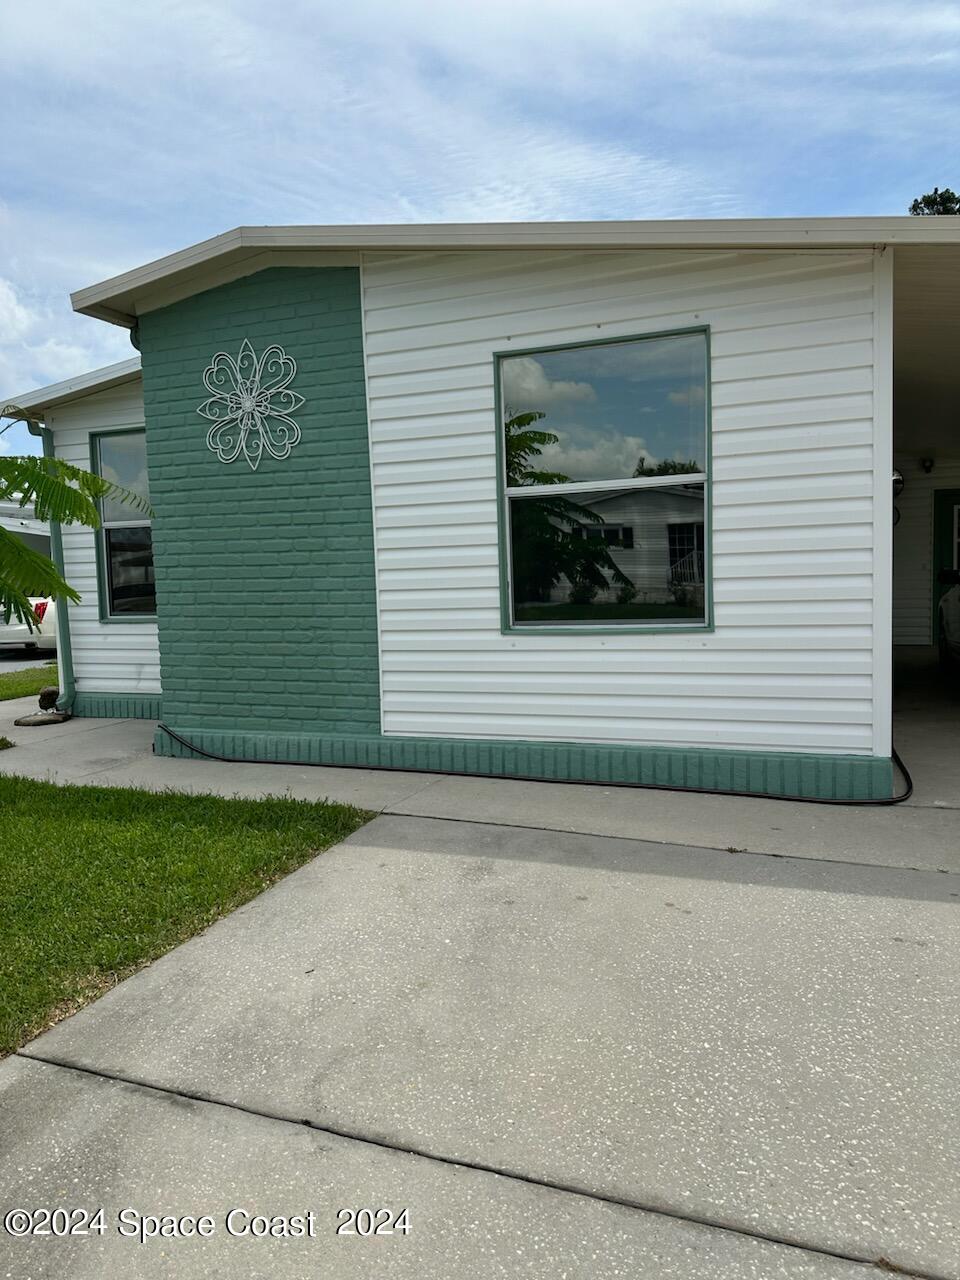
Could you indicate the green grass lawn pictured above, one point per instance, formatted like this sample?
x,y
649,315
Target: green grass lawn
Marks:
x,y
21,684
98,881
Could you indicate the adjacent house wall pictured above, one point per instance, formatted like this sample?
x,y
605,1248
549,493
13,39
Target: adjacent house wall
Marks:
x,y
913,547
108,657
20,521
791,664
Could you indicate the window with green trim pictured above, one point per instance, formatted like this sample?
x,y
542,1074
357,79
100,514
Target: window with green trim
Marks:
x,y
125,551
605,465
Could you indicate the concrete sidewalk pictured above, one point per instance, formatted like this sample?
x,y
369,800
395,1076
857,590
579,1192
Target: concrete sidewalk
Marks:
x,y
763,1048
921,834
567,1051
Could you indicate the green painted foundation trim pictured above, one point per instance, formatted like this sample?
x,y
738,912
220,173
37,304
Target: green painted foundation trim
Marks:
x,y
814,777
120,706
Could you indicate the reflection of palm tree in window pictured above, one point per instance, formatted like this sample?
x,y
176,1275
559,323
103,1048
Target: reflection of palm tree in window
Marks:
x,y
549,533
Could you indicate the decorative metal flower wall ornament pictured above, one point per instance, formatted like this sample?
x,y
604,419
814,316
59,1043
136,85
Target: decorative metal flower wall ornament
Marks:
x,y
250,404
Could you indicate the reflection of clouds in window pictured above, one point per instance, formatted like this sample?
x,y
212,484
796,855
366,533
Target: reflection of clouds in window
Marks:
x,y
614,407
586,455
123,461
137,482
692,395
527,386
682,356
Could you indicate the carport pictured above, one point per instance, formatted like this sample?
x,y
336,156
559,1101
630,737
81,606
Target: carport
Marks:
x,y
926,449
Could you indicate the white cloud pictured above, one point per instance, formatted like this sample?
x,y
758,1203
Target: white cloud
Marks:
x,y
15,318
694,394
428,111
41,342
609,457
526,386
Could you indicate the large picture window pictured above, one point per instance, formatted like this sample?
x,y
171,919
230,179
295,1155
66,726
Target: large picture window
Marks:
x,y
605,463
126,548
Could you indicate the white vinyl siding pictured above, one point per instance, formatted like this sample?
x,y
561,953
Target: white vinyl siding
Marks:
x,y
108,657
789,666
913,547
649,521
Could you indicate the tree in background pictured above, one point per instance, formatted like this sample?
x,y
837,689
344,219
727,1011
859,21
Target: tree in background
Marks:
x,y
550,540
666,468
936,202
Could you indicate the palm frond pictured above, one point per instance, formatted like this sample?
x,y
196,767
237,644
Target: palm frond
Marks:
x,y
24,573
59,491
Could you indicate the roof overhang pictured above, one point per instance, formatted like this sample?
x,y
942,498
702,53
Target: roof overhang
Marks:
x,y
37,403
245,250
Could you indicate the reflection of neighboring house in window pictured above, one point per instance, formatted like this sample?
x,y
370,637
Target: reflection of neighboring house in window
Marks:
x,y
655,537
22,521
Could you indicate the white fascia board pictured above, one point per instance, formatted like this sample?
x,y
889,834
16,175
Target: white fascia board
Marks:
x,y
84,384
117,300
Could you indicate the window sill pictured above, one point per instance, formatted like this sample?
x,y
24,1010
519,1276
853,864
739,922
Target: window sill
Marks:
x,y
548,629
109,621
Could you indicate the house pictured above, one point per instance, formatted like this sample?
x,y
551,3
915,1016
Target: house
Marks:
x,y
607,501
23,522
656,538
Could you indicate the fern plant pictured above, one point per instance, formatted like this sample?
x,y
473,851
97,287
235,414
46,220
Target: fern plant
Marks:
x,y
59,492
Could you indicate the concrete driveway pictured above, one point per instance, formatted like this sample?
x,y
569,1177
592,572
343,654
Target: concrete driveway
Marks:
x,y
565,1054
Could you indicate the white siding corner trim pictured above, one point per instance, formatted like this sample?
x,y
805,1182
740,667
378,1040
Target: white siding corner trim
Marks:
x,y
798,479
107,657
883,503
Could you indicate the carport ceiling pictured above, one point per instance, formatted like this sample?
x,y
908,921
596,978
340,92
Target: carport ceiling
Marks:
x,y
926,349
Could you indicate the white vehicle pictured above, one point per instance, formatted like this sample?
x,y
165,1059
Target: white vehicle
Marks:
x,y
44,633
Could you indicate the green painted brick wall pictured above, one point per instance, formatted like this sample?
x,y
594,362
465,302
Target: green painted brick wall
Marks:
x,y
265,579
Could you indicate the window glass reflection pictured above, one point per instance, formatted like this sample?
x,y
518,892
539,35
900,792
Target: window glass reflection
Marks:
x,y
614,411
609,556
129,557
123,461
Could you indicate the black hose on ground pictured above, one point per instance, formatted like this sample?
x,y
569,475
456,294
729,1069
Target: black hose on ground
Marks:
x,y
639,786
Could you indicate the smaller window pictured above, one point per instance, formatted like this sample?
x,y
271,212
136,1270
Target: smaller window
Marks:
x,y
612,535
125,553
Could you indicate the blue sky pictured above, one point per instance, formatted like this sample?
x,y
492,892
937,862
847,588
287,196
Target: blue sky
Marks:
x,y
130,131
610,405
